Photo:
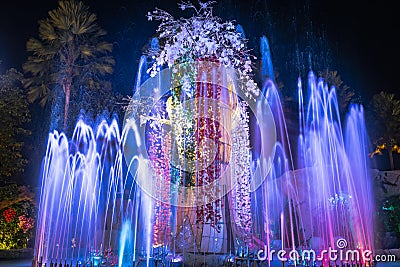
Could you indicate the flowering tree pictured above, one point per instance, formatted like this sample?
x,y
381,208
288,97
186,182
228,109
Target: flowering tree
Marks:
x,y
202,36
16,218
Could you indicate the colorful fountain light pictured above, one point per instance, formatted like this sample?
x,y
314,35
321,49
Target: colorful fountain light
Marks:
x,y
81,182
336,170
203,170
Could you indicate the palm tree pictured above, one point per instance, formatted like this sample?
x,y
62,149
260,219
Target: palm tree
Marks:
x,y
385,123
70,53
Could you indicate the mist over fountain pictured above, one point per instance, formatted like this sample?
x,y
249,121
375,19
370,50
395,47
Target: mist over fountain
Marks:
x,y
147,190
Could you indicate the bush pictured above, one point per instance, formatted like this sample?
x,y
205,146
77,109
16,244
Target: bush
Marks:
x,y
17,219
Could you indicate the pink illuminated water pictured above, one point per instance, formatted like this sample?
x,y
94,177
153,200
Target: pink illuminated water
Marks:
x,y
90,202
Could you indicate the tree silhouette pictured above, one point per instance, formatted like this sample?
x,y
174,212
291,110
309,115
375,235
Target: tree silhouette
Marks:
x,y
14,115
344,93
385,124
70,54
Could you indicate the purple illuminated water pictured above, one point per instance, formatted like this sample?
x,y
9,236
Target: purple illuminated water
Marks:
x,y
336,181
90,202
80,193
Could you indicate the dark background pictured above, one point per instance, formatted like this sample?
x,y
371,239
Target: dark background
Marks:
x,y
354,37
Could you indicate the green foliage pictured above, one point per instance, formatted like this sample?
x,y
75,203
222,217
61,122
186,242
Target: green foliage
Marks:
x,y
8,192
386,109
70,54
390,210
384,123
12,194
99,100
14,115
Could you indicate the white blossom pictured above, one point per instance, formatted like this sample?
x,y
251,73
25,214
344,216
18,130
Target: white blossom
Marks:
x,y
202,35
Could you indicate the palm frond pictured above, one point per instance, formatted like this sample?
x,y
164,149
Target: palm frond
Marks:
x,y
70,47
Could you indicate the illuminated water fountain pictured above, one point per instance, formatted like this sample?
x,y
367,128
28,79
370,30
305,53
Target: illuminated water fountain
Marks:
x,y
80,194
89,203
336,189
202,170
329,197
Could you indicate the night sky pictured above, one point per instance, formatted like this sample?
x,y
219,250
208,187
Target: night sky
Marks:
x,y
357,37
